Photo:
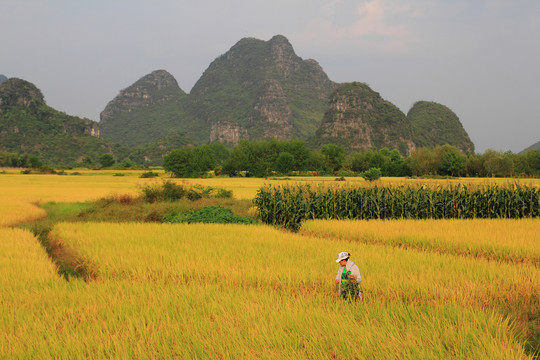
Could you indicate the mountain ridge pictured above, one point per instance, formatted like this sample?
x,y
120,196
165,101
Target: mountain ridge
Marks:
x,y
256,90
262,90
29,125
535,146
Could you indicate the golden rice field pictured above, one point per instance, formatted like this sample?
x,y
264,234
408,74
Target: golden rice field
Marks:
x,y
507,240
21,193
234,291
433,289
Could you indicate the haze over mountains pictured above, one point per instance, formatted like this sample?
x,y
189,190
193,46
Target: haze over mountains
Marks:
x,y
256,90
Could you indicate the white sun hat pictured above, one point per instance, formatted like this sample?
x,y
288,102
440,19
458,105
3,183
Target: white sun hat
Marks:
x,y
342,256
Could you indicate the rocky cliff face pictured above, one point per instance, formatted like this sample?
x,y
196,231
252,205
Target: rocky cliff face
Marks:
x,y
359,119
18,92
227,133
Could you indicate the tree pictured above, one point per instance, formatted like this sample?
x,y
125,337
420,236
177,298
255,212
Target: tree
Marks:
x,y
360,161
189,161
491,160
422,162
299,151
334,155
452,162
106,160
221,153
372,174
285,163
34,162
317,161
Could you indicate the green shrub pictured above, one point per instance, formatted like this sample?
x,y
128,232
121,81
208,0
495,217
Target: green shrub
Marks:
x,y
148,175
170,191
209,214
372,174
223,193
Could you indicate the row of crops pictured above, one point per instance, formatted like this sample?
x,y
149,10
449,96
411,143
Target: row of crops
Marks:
x,y
288,206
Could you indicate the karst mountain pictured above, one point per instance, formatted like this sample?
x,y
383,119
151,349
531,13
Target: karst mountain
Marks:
x,y
263,90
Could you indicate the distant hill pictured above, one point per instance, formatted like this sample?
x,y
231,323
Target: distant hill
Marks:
x,y
28,125
535,147
3,78
260,90
257,90
434,124
150,109
359,119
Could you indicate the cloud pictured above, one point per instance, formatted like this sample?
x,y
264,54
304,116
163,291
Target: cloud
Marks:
x,y
375,24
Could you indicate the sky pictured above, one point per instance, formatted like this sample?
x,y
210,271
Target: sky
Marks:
x,y
481,58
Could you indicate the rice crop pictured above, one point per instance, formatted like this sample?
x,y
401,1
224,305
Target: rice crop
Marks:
x,y
213,291
507,240
262,260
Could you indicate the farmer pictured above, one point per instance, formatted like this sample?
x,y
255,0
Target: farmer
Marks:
x,y
348,277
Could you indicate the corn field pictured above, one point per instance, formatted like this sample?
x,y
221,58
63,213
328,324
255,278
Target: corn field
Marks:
x,y
288,206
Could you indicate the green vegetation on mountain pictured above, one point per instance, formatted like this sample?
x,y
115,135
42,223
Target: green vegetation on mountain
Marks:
x,y
434,124
257,90
359,119
148,110
265,88
28,125
535,147
154,152
2,78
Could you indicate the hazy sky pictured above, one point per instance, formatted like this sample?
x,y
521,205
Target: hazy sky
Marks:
x,y
479,58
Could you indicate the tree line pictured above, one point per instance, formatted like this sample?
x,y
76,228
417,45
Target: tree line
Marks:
x,y
293,157
290,157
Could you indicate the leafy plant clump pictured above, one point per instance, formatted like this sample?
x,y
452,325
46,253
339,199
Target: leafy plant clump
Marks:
x,y
148,175
372,174
171,191
209,214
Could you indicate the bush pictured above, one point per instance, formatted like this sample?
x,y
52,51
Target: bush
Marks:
x,y
209,214
148,175
223,194
170,191
372,174
40,170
